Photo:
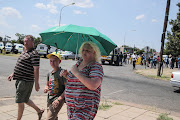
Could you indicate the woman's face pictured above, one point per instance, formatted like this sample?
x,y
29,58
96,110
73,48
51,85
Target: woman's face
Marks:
x,y
88,53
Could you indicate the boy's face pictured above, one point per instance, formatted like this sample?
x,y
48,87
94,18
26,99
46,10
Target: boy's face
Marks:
x,y
54,61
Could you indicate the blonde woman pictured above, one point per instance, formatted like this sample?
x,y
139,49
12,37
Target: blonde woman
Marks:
x,y
83,86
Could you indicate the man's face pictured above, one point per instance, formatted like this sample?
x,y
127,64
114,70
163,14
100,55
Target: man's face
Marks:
x,y
28,43
54,61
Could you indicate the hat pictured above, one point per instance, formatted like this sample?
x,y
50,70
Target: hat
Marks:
x,y
55,54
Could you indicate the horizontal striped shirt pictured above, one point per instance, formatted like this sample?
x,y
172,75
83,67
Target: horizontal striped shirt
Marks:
x,y
24,67
82,102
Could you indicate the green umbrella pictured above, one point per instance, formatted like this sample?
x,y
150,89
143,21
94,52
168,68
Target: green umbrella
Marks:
x,y
70,38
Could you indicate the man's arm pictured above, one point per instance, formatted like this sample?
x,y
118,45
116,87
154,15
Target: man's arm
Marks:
x,y
36,77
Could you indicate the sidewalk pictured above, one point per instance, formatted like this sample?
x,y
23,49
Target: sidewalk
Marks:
x,y
118,111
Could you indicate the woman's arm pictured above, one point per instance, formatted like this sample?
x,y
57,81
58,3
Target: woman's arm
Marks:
x,y
91,83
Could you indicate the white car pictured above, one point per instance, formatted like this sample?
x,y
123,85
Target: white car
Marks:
x,y
68,55
1,46
19,47
175,79
8,47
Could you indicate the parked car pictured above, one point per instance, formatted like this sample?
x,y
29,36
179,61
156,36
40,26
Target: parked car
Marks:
x,y
1,46
69,55
175,79
19,47
42,49
8,47
106,59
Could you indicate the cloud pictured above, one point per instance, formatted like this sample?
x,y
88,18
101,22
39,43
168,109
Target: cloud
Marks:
x,y
154,20
40,6
10,12
35,27
78,3
139,17
50,7
79,12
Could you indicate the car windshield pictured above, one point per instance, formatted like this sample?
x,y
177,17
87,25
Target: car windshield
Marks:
x,y
20,46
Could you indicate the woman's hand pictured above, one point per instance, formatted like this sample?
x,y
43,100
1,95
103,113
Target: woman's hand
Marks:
x,y
46,89
74,70
63,73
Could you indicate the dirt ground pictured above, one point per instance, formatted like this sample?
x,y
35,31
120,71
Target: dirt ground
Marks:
x,y
152,73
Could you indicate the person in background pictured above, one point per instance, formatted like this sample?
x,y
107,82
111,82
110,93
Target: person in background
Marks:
x,y
154,61
83,88
172,62
124,58
179,62
121,58
26,72
55,87
158,61
128,58
134,60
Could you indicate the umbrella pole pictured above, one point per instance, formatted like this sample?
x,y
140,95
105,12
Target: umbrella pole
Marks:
x,y
77,47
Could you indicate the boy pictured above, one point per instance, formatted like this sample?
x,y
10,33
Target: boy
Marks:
x,y
55,87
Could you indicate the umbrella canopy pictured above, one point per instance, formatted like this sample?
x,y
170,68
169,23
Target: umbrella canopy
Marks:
x,y
70,38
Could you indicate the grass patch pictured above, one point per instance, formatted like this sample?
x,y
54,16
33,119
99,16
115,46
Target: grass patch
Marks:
x,y
164,116
104,106
158,77
117,103
152,73
10,54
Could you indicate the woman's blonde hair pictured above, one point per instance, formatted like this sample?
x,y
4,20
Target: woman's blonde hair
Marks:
x,y
94,47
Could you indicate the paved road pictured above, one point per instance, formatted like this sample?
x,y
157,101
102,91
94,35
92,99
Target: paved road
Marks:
x,y
120,83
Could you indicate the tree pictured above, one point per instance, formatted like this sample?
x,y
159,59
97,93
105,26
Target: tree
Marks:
x,y
1,38
152,50
20,38
139,52
172,46
37,41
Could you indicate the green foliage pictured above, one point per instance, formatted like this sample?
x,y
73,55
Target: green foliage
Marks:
x,y
117,103
164,116
1,38
172,46
20,38
104,106
37,41
139,51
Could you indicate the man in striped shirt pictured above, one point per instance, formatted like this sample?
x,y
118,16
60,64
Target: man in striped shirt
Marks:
x,y
26,72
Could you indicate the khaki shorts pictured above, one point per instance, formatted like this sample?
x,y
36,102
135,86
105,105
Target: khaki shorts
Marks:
x,y
52,113
23,91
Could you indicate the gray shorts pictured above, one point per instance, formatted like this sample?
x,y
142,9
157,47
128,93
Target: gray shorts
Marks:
x,y
23,91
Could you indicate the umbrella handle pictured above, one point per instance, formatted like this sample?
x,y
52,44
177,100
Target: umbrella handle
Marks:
x,y
56,47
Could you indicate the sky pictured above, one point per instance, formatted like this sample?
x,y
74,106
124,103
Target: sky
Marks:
x,y
136,23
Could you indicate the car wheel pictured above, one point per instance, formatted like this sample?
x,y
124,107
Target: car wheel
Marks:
x,y
44,55
103,62
66,58
0,51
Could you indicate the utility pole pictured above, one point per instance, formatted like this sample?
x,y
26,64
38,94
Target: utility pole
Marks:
x,y
163,37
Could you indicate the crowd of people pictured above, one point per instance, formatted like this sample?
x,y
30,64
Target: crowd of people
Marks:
x,y
79,88
151,61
